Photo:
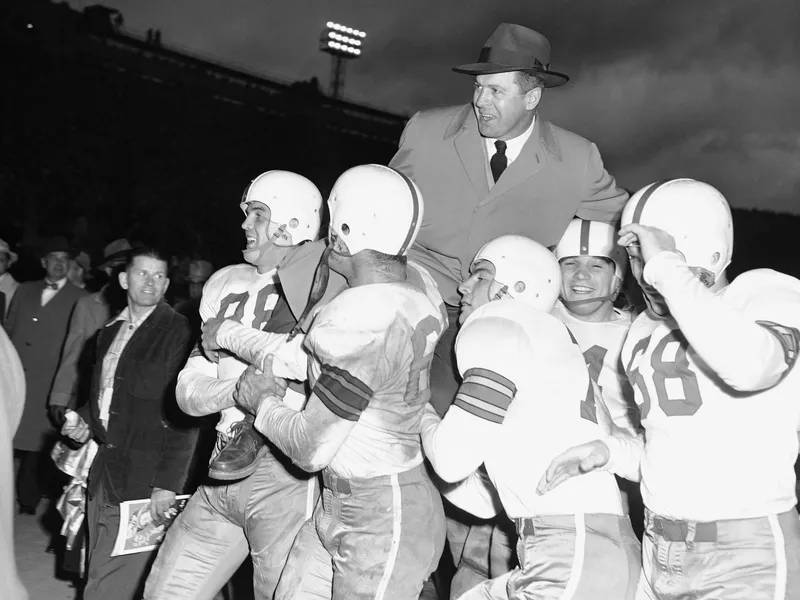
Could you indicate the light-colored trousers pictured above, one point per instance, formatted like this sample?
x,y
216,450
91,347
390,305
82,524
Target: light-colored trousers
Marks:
x,y
569,557
378,539
219,525
741,559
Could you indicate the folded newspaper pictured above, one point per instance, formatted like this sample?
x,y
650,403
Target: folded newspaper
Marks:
x,y
138,532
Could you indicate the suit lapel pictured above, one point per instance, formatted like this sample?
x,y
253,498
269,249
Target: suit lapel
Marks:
x,y
529,161
469,147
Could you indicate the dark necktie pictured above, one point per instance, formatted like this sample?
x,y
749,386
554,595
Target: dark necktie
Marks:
x,y
499,161
52,286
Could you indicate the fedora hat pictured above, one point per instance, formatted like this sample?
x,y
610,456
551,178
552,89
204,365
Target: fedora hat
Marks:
x,y
6,249
515,48
57,243
115,253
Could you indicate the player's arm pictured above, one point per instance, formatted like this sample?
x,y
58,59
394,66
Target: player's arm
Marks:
x,y
350,369
621,455
254,346
487,351
199,391
748,354
476,494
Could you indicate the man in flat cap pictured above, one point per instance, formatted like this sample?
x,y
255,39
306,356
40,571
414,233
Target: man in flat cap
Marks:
x,y
37,325
495,167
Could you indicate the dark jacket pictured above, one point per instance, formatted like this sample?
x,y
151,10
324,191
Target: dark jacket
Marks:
x,y
147,444
38,334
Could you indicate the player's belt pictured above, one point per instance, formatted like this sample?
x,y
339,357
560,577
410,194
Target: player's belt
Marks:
x,y
678,531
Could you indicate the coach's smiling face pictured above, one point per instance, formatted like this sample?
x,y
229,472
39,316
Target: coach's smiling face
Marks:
x,y
478,289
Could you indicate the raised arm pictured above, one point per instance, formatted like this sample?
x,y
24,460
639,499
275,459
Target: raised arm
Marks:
x,y
750,340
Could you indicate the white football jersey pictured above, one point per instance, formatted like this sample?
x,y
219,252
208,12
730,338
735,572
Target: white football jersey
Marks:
x,y
713,449
380,337
601,343
526,396
240,293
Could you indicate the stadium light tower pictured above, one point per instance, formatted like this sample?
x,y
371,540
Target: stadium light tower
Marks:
x,y
342,43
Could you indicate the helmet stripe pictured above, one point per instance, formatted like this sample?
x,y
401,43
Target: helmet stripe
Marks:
x,y
584,239
637,213
414,216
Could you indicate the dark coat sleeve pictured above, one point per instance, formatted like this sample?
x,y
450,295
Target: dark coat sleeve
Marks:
x,y
62,393
179,441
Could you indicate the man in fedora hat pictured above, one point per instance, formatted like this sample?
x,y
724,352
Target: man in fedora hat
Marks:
x,y
8,285
495,167
90,314
37,325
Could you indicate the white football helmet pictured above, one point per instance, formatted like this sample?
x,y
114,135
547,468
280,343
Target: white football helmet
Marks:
x,y
373,207
695,214
593,238
294,202
528,270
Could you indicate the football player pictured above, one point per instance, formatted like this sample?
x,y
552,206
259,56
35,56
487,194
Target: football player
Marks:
x,y
592,270
712,367
525,395
379,530
264,500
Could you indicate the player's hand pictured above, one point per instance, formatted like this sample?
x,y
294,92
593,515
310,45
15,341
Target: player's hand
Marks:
x,y
209,337
651,240
160,502
254,386
76,429
573,462
58,415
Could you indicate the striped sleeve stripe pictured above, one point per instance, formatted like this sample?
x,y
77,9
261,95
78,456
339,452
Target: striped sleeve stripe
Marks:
x,y
789,337
343,394
485,394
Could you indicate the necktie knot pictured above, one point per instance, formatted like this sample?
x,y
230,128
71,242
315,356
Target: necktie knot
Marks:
x,y
52,286
499,160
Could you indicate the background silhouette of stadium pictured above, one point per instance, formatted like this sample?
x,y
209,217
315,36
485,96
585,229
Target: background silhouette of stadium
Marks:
x,y
108,133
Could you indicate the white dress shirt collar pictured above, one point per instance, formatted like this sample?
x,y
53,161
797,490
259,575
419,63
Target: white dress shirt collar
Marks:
x,y
513,147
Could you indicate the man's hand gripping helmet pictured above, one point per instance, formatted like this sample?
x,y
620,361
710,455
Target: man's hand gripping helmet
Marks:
x,y
695,214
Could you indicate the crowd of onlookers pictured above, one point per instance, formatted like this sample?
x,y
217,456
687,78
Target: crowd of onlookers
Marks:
x,y
48,322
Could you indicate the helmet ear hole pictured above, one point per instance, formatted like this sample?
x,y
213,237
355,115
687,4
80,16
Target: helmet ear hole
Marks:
x,y
519,287
715,258
293,223
345,229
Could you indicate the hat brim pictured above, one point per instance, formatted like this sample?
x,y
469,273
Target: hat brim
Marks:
x,y
551,78
115,258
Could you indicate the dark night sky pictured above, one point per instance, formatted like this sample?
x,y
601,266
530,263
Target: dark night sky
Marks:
x,y
700,88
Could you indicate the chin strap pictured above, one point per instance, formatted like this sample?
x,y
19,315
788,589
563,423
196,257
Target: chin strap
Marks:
x,y
318,287
572,303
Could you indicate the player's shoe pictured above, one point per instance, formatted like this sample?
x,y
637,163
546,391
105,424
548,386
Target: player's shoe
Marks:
x,y
240,456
